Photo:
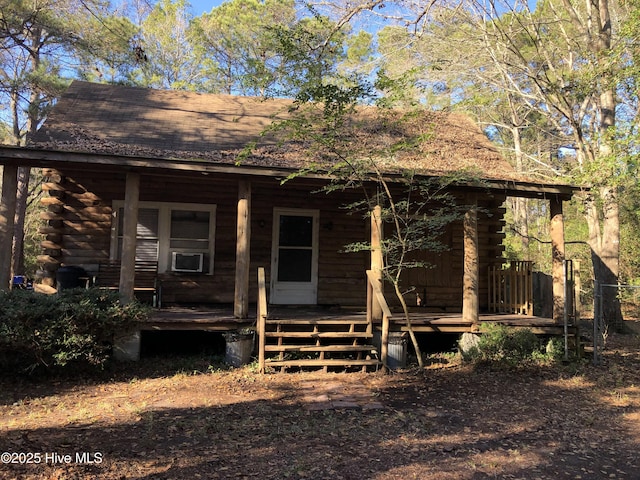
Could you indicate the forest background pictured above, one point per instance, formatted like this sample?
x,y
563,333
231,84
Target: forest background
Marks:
x,y
554,85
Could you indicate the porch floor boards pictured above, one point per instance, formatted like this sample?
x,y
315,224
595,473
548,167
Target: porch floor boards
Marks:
x,y
222,319
454,323
217,319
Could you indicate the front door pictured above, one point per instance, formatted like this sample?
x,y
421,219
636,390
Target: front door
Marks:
x,y
294,264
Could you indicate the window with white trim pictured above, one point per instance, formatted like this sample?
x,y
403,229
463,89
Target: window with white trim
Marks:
x,y
179,236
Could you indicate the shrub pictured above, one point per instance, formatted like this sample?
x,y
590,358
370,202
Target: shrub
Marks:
x,y
512,347
554,349
73,327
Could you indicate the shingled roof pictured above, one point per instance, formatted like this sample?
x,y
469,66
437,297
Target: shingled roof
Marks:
x,y
160,124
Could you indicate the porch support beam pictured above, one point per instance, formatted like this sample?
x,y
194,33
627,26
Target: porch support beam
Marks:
x,y
7,216
243,251
129,230
377,260
556,230
471,274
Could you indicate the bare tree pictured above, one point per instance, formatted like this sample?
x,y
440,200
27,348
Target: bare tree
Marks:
x,y
38,41
553,67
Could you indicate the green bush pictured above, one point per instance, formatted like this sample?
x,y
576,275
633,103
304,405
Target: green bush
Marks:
x,y
73,327
554,349
507,346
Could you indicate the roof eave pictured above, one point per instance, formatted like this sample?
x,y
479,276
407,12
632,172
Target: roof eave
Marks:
x,y
35,157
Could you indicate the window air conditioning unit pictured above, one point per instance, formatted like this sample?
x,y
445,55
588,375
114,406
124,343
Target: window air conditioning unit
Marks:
x,y
187,262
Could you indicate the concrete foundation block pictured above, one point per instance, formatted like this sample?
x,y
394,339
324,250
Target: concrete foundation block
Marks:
x,y
126,348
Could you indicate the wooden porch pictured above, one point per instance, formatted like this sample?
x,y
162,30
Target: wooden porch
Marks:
x,y
221,319
323,337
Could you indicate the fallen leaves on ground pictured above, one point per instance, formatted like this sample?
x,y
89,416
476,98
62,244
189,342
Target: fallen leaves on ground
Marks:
x,y
574,422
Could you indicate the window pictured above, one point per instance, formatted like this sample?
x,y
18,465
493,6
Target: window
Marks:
x,y
147,237
189,230
170,231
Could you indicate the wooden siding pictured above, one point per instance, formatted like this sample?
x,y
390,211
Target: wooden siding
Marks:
x,y
440,286
78,232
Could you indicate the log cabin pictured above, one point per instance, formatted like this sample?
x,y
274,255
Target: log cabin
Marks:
x,y
140,176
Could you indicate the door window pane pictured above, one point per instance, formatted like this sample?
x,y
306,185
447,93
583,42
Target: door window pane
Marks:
x,y
294,265
296,231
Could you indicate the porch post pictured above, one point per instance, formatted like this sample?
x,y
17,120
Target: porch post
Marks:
x,y
577,288
243,250
126,347
471,275
129,230
556,230
377,261
7,216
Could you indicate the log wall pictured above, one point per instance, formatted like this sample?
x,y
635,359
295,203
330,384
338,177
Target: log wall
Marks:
x,y
440,286
79,217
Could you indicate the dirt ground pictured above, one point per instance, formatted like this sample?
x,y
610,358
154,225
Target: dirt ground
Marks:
x,y
449,421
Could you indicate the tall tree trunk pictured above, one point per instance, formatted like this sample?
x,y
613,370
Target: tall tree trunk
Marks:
x,y
22,195
607,248
604,240
519,204
7,213
17,245
24,174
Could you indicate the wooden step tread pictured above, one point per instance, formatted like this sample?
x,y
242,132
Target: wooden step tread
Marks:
x,y
320,363
319,348
318,334
321,321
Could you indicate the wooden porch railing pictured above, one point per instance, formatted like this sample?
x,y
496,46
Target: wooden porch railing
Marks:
x,y
511,289
261,321
374,294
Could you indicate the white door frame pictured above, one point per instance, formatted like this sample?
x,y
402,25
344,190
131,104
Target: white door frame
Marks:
x,y
288,292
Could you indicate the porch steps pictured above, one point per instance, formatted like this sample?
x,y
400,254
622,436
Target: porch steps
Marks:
x,y
314,348
319,344
318,334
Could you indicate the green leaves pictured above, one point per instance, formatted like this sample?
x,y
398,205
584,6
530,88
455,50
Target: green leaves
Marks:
x,y
500,345
74,326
